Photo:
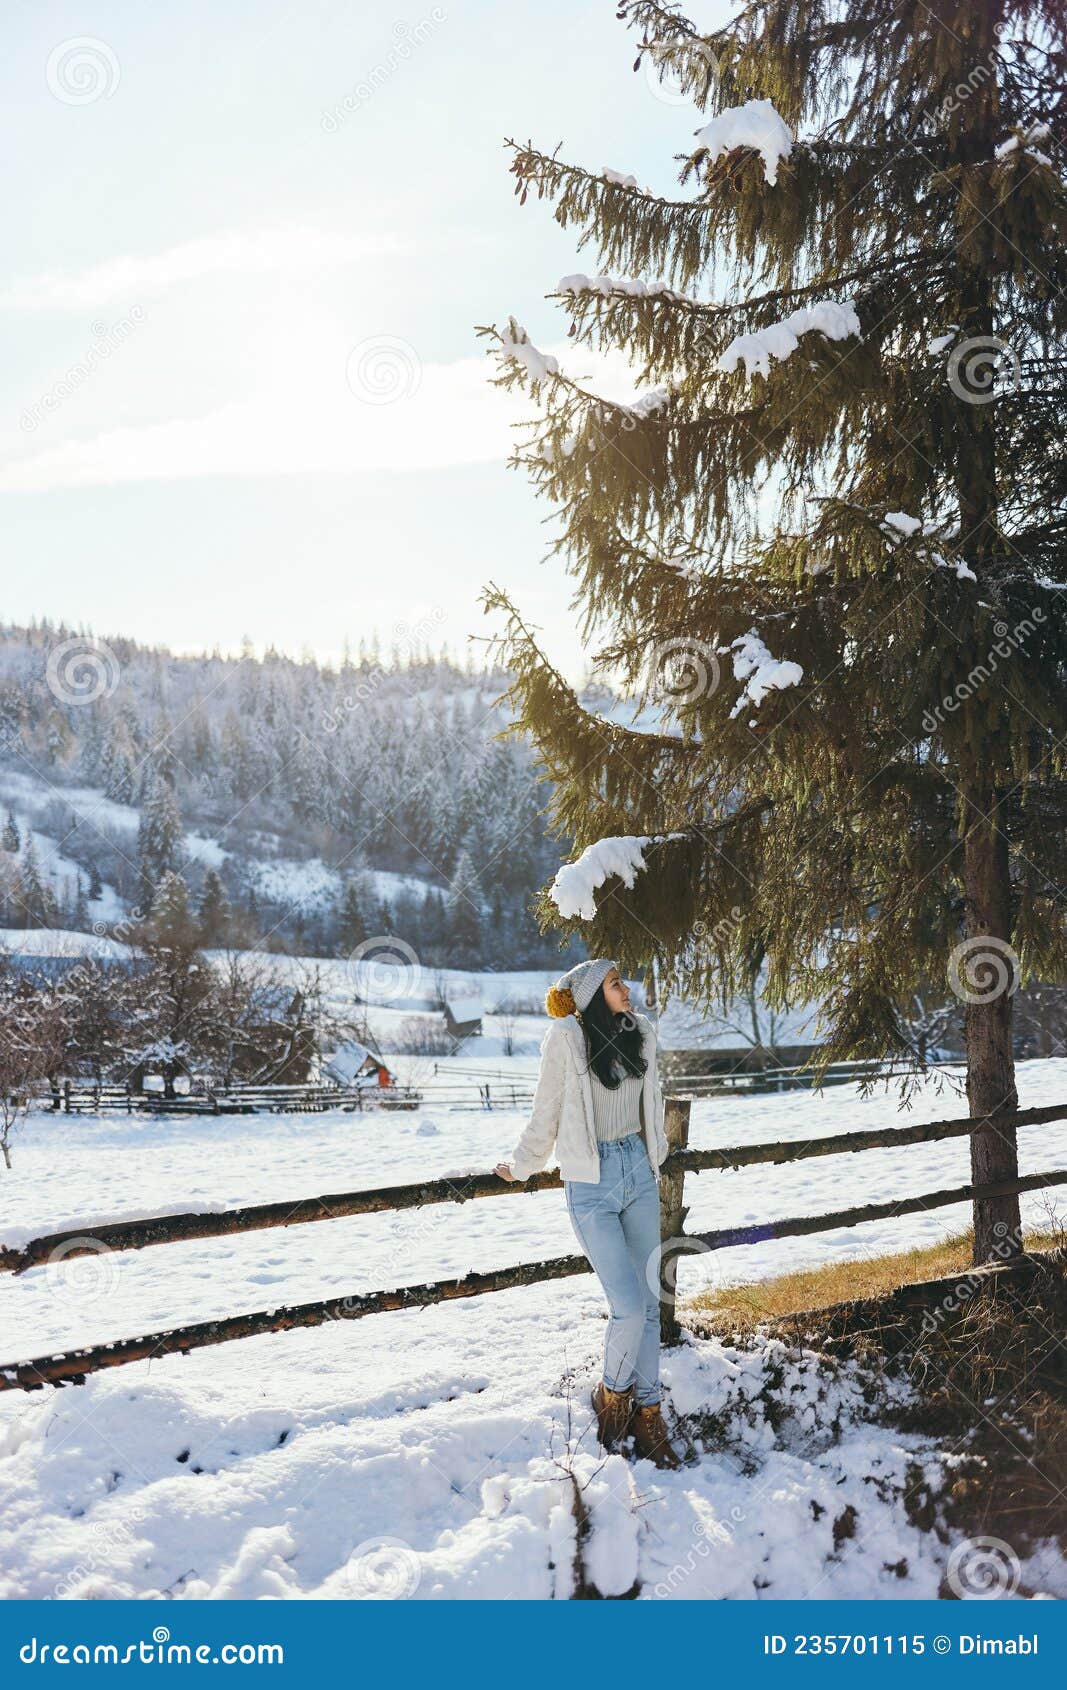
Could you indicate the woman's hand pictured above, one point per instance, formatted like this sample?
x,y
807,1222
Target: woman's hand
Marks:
x,y
504,1170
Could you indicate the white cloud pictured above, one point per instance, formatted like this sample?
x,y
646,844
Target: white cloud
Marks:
x,y
291,251
282,359
455,417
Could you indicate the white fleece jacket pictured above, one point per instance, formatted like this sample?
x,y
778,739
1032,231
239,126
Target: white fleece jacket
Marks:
x,y
562,1113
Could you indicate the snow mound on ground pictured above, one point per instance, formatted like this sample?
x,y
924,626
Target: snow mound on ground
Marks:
x,y
466,1482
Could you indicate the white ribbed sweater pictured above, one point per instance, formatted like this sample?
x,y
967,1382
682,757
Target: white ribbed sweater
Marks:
x,y
616,1113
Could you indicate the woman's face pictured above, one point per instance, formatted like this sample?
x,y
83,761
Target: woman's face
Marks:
x,y
616,992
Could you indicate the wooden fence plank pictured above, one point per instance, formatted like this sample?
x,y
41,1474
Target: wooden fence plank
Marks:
x,y
726,1237
73,1366
836,1144
170,1229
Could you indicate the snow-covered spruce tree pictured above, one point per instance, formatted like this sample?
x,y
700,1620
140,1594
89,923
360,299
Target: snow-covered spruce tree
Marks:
x,y
824,548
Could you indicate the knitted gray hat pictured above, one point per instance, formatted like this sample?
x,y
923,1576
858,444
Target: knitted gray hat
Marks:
x,y
582,980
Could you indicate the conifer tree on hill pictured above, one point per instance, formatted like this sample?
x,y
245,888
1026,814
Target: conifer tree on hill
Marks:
x,y
828,547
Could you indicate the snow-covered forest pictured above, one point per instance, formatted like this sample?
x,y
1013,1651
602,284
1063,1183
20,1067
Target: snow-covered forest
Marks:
x,y
305,807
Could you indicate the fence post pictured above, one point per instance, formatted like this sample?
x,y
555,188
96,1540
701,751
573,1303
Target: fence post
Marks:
x,y
672,1213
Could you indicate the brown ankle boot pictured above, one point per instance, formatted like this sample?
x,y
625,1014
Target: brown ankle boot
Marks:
x,y
651,1438
614,1410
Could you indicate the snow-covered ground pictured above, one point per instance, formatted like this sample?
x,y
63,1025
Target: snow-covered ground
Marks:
x,y
435,1452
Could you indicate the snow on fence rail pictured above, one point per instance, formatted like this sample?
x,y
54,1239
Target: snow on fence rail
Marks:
x,y
73,1366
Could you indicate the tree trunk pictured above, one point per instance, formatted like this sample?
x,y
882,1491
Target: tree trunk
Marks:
x,y
991,979
990,974
672,1213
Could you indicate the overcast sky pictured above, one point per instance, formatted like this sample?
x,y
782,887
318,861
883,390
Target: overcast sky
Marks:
x,y
233,227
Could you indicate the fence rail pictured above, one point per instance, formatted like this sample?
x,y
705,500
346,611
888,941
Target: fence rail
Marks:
x,y
73,1366
75,1097
458,1086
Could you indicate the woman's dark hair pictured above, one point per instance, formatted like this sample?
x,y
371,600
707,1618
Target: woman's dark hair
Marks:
x,y
612,1042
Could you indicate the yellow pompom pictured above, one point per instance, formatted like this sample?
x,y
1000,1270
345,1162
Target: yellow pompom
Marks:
x,y
559,1002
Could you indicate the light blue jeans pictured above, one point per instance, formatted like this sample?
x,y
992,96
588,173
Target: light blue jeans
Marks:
x,y
617,1225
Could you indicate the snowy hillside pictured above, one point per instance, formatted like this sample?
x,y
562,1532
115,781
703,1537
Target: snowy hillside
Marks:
x,y
332,803
437,1451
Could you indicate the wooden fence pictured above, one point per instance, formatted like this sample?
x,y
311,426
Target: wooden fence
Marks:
x,y
81,1097
456,1087
73,1366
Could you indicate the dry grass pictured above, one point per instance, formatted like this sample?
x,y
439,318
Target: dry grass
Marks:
x,y
741,1308
985,1358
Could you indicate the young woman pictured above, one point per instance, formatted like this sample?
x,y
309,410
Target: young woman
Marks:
x,y
598,1101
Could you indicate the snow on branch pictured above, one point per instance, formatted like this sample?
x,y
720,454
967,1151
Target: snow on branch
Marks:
x,y
837,321
575,883
756,124
617,179
516,344
1025,138
899,525
760,672
632,286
